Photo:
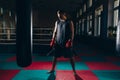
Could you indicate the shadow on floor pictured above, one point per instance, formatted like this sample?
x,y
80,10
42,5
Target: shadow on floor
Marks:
x,y
51,76
77,77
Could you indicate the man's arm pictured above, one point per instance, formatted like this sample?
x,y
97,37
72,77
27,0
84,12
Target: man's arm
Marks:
x,y
54,32
70,41
53,37
72,30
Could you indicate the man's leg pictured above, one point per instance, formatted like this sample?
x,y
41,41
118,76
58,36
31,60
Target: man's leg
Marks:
x,y
73,64
53,65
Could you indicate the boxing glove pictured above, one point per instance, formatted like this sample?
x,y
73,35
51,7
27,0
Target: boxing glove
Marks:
x,y
68,44
52,43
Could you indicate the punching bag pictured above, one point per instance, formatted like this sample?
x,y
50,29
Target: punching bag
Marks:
x,y
118,39
24,33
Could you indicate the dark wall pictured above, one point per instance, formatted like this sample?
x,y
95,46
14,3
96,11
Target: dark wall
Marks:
x,y
44,18
47,18
105,45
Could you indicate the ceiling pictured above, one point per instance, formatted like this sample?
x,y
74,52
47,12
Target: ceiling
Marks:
x,y
69,5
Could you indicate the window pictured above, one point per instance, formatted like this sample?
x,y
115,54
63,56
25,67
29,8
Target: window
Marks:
x,y
7,27
83,26
76,27
90,3
112,29
116,12
10,13
97,27
90,29
88,23
116,3
1,11
77,15
84,7
80,12
115,17
79,29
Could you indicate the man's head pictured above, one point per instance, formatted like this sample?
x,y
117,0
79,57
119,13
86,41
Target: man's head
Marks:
x,y
62,14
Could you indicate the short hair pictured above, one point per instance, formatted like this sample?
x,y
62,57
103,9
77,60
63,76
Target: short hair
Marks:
x,y
61,12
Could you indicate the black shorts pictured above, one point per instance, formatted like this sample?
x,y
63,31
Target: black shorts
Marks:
x,y
62,51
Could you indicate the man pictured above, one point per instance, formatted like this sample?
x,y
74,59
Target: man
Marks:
x,y
62,39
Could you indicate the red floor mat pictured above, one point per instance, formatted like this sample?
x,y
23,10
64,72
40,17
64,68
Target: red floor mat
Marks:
x,y
11,59
40,66
67,59
102,66
7,74
81,75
